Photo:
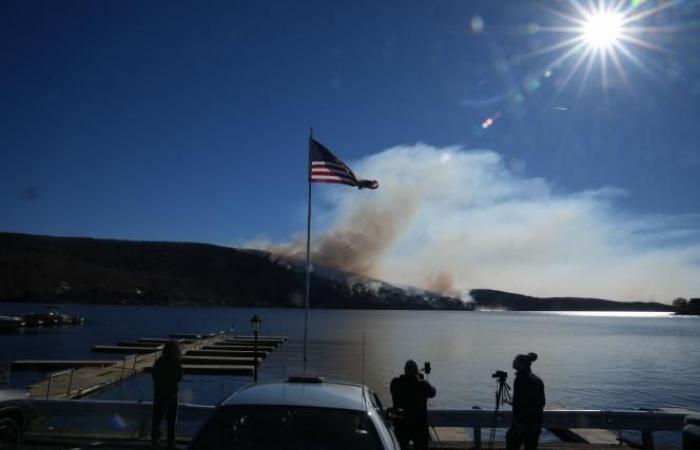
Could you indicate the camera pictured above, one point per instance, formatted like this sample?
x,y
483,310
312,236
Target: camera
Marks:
x,y
427,368
501,375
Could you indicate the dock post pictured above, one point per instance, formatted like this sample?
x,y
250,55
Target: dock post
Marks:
x,y
477,434
48,386
70,381
255,322
133,369
648,440
255,359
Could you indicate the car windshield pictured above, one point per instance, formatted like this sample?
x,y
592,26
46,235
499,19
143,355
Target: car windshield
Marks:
x,y
287,428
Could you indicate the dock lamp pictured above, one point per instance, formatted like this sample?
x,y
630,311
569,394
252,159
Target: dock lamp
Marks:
x,y
255,323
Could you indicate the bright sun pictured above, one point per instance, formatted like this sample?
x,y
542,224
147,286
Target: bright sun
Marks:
x,y
609,34
602,29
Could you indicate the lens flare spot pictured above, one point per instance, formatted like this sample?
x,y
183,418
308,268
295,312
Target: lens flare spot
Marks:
x,y
532,85
476,24
489,121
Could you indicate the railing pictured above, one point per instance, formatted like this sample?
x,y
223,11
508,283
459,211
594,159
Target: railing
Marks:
x,y
647,422
50,379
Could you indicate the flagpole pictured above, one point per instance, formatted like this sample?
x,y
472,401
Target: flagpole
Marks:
x,y
308,249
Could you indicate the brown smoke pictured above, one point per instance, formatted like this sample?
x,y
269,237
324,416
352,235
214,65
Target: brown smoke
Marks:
x,y
360,238
442,283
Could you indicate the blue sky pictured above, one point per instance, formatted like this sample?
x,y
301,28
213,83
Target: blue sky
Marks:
x,y
189,120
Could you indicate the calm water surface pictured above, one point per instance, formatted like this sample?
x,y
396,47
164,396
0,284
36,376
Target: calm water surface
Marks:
x,y
587,360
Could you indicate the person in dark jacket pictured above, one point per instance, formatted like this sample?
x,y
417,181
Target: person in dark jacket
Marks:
x,y
528,404
410,393
167,373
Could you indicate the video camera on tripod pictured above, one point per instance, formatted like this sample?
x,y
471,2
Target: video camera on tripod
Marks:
x,y
502,398
501,375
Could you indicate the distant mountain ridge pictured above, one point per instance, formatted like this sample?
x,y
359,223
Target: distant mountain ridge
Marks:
x,y
489,298
85,270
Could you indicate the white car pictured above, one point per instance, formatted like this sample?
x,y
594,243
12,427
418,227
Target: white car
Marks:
x,y
302,413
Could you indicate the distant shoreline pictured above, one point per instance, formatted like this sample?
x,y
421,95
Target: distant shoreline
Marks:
x,y
45,269
37,303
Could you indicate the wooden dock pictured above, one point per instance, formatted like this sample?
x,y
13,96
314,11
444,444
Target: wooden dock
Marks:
x,y
219,360
203,353
47,365
163,340
123,349
140,344
227,353
210,369
264,348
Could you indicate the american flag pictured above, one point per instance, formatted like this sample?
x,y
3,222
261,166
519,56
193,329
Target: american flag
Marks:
x,y
328,168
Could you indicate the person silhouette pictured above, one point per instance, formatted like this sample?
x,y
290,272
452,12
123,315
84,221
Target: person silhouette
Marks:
x,y
410,393
528,404
167,373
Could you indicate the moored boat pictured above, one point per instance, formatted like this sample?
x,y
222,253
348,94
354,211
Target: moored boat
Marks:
x,y
10,324
33,320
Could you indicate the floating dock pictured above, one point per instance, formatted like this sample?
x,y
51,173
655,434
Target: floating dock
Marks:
x,y
266,348
47,365
203,353
210,369
123,349
227,353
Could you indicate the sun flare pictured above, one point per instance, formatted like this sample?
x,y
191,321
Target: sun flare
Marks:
x,y
607,35
603,29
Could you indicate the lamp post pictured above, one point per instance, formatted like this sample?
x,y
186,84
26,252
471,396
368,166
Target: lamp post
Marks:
x,y
255,323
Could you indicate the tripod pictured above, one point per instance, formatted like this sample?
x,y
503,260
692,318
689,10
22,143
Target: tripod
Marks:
x,y
502,398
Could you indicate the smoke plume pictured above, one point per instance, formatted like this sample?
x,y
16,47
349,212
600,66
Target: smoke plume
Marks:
x,y
451,220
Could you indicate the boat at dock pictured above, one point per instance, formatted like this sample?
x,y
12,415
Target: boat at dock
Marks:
x,y
10,324
50,318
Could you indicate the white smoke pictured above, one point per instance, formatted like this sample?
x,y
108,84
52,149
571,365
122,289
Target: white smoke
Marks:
x,y
451,220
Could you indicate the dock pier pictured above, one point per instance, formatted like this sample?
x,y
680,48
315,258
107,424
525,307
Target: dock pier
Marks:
x,y
203,354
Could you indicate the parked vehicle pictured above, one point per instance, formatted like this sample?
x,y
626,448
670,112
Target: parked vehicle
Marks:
x,y
15,415
299,413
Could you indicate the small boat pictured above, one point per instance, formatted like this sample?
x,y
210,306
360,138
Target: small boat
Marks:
x,y
33,319
9,324
71,320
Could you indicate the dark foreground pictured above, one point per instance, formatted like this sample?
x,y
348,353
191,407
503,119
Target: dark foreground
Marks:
x,y
40,442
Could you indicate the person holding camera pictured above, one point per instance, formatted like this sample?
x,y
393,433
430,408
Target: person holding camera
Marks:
x,y
410,393
528,404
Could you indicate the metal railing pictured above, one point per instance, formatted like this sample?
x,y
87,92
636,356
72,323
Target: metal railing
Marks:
x,y
647,422
51,377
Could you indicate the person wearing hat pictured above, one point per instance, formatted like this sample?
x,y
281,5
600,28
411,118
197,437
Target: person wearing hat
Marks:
x,y
410,393
528,404
167,373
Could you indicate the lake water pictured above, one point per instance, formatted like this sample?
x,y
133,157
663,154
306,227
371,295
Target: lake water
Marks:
x,y
587,360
